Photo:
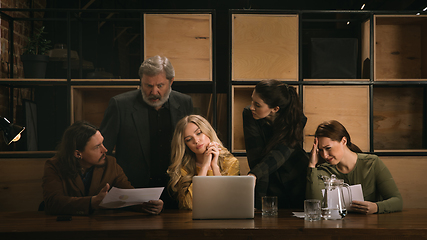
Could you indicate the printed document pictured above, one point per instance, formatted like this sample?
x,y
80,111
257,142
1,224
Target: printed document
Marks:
x,y
118,198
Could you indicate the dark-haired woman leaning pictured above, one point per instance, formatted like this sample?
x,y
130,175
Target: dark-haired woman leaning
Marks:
x,y
273,126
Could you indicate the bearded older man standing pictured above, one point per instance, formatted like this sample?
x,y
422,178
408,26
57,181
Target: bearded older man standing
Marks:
x,y
140,125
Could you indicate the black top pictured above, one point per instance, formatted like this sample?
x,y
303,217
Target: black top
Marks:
x,y
280,172
161,132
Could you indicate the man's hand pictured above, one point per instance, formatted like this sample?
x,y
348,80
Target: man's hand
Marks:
x,y
96,200
153,206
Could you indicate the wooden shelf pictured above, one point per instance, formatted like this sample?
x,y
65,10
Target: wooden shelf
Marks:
x,y
31,81
334,81
399,49
186,39
347,104
137,81
241,97
89,102
264,47
398,118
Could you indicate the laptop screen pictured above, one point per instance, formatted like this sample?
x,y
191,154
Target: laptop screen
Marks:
x,y
223,197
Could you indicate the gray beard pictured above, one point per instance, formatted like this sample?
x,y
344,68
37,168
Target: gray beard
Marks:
x,y
160,102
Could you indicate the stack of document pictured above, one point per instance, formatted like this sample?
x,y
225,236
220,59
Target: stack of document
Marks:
x,y
118,198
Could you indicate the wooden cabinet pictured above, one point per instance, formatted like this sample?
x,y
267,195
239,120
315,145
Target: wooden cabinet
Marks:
x,y
241,97
383,106
264,46
383,109
399,118
399,108
116,43
89,102
347,104
400,52
391,67
186,39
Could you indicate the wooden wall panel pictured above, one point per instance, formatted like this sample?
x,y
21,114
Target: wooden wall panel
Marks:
x,y
186,39
21,184
202,104
398,118
223,120
399,48
408,173
264,47
365,53
347,104
244,166
423,51
89,102
398,54
241,97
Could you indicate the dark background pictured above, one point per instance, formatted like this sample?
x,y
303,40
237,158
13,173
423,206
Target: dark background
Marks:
x,y
123,62
121,57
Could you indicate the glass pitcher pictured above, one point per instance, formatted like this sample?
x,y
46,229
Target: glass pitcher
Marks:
x,y
334,205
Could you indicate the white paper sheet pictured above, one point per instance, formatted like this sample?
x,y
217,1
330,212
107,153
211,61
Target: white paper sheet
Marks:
x,y
299,214
117,197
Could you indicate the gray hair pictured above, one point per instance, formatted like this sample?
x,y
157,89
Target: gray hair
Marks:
x,y
156,65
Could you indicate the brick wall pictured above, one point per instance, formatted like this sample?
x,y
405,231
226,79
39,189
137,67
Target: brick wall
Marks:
x,y
22,30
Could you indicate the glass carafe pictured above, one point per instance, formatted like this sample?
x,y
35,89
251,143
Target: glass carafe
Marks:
x,y
333,203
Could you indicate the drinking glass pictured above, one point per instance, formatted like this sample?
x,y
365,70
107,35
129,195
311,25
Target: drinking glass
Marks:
x,y
269,206
312,210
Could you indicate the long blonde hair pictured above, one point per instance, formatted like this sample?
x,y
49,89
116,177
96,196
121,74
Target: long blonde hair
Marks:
x,y
183,160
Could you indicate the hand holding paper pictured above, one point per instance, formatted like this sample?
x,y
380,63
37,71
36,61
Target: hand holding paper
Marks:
x,y
118,198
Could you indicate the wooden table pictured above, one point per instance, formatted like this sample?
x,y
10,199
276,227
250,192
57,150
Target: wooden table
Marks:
x,y
409,224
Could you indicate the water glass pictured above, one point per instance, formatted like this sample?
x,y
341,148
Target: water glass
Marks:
x,y
269,206
312,210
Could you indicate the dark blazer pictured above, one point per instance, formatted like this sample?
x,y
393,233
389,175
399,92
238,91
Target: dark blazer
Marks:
x,y
126,126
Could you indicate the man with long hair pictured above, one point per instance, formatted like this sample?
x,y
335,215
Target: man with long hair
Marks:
x,y
78,177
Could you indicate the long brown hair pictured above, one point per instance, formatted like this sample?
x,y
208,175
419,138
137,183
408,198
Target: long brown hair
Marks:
x,y
287,124
336,131
75,138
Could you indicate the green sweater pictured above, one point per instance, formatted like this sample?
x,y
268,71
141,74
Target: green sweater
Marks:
x,y
377,183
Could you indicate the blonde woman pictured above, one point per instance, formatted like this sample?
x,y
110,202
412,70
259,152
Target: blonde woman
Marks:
x,y
197,151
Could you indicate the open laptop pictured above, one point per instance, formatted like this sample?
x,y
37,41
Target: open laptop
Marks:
x,y
223,197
